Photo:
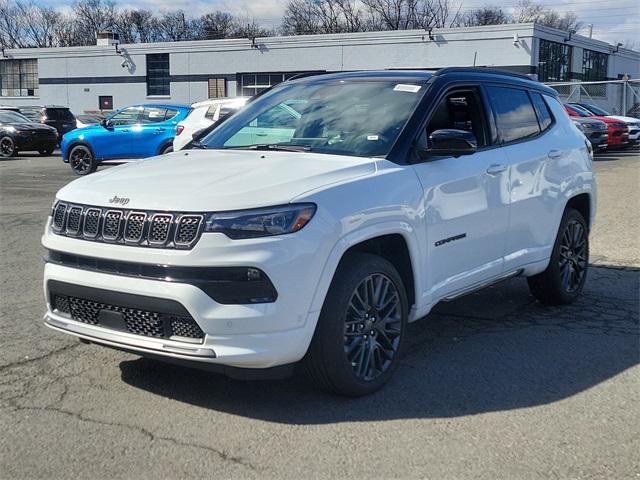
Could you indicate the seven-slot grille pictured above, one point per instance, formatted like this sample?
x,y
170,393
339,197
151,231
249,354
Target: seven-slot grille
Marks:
x,y
152,229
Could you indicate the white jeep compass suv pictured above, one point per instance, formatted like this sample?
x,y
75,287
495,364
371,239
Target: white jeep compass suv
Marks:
x,y
313,224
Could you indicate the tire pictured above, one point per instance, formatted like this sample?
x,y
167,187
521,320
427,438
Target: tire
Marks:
x,y
563,280
167,149
346,336
82,160
8,147
45,152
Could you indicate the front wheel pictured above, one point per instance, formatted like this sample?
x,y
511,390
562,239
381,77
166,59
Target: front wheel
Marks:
x,y
360,332
81,160
7,147
563,280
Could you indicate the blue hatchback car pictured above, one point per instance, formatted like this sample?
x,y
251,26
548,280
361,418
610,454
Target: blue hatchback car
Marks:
x,y
139,131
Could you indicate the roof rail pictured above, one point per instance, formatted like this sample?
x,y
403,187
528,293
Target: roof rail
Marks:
x,y
495,71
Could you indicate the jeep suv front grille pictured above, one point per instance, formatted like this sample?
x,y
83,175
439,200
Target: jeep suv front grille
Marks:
x,y
141,228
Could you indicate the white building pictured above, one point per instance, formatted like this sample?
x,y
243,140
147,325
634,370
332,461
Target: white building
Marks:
x,y
110,76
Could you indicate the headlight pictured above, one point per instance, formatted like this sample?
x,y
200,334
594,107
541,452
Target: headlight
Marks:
x,y
261,222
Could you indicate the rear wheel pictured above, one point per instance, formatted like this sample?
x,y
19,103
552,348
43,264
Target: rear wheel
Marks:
x,y
167,149
563,280
81,160
360,332
7,147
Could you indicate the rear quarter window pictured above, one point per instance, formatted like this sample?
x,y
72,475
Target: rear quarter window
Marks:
x,y
542,111
515,116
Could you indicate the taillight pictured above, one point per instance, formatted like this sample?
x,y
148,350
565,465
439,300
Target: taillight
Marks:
x,y
179,129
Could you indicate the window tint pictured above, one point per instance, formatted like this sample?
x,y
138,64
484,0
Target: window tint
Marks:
x,y
211,113
12,117
128,116
283,116
170,114
460,110
515,116
61,114
542,110
153,115
158,78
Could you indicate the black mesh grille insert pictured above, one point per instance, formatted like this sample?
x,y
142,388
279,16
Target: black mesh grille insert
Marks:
x,y
187,229
111,226
159,231
135,226
91,222
137,321
58,216
73,220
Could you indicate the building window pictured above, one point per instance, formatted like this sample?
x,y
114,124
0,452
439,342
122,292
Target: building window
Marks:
x,y
594,66
217,88
554,60
19,78
254,83
158,79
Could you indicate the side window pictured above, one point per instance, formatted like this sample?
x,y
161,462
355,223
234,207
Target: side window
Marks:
x,y
515,116
460,110
282,116
128,116
153,115
542,110
170,114
211,113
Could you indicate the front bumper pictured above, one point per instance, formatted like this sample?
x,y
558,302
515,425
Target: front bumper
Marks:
x,y
261,335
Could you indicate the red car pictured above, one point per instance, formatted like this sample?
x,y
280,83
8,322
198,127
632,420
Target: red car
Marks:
x,y
617,130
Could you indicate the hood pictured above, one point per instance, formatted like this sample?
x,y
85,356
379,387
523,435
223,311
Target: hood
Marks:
x,y
608,120
32,126
625,119
589,121
214,180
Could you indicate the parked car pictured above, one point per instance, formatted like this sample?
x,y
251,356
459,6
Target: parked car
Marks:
x,y
55,116
617,130
138,131
88,120
392,192
18,133
632,123
9,107
595,130
204,114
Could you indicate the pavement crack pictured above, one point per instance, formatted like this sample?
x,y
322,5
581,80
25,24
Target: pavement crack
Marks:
x,y
25,361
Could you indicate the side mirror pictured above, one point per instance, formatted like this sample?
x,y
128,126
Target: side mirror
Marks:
x,y
105,123
449,142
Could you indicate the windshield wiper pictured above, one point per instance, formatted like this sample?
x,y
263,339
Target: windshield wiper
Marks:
x,y
273,147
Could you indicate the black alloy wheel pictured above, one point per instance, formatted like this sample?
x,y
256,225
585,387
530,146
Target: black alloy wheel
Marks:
x,y
7,147
81,160
573,256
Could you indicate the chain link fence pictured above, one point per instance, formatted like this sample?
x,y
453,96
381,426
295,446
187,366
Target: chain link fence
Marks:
x,y
618,97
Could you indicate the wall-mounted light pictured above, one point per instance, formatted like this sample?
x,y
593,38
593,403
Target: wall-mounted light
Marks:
x,y
118,51
4,55
430,33
516,39
568,39
617,47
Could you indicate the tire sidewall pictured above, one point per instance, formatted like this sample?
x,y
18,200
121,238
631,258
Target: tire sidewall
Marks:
x,y
13,150
567,297
330,329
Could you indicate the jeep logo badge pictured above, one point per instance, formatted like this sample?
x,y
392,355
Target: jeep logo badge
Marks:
x,y
119,200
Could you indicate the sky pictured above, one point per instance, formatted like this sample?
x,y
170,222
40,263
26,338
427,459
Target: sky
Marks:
x,y
613,20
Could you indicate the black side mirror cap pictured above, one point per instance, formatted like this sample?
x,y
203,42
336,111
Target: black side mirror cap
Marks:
x,y
448,142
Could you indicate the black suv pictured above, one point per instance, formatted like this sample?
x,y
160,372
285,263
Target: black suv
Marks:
x,y
55,116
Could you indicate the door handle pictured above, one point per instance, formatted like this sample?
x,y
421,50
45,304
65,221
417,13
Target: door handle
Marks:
x,y
554,153
496,169
261,134
124,130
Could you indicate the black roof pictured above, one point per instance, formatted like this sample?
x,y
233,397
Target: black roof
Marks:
x,y
454,73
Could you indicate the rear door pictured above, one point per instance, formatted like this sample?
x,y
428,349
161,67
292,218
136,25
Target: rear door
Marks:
x,y
524,125
466,200
147,135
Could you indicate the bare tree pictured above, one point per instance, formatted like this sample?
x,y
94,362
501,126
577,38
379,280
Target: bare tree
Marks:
x,y
91,16
530,11
484,16
175,26
217,25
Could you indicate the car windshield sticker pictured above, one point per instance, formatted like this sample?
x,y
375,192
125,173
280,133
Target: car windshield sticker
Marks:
x,y
407,88
372,137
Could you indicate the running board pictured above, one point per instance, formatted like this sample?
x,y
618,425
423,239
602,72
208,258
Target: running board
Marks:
x,y
480,286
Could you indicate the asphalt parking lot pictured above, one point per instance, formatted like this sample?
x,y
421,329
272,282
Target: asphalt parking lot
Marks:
x,y
492,386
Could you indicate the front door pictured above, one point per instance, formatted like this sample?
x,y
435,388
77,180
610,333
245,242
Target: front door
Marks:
x,y
113,141
466,201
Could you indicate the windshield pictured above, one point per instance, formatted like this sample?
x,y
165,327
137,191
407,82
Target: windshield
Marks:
x,y
581,111
12,117
343,117
596,110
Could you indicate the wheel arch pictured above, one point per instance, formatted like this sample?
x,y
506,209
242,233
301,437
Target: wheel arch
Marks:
x,y
166,143
396,243
582,203
76,143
